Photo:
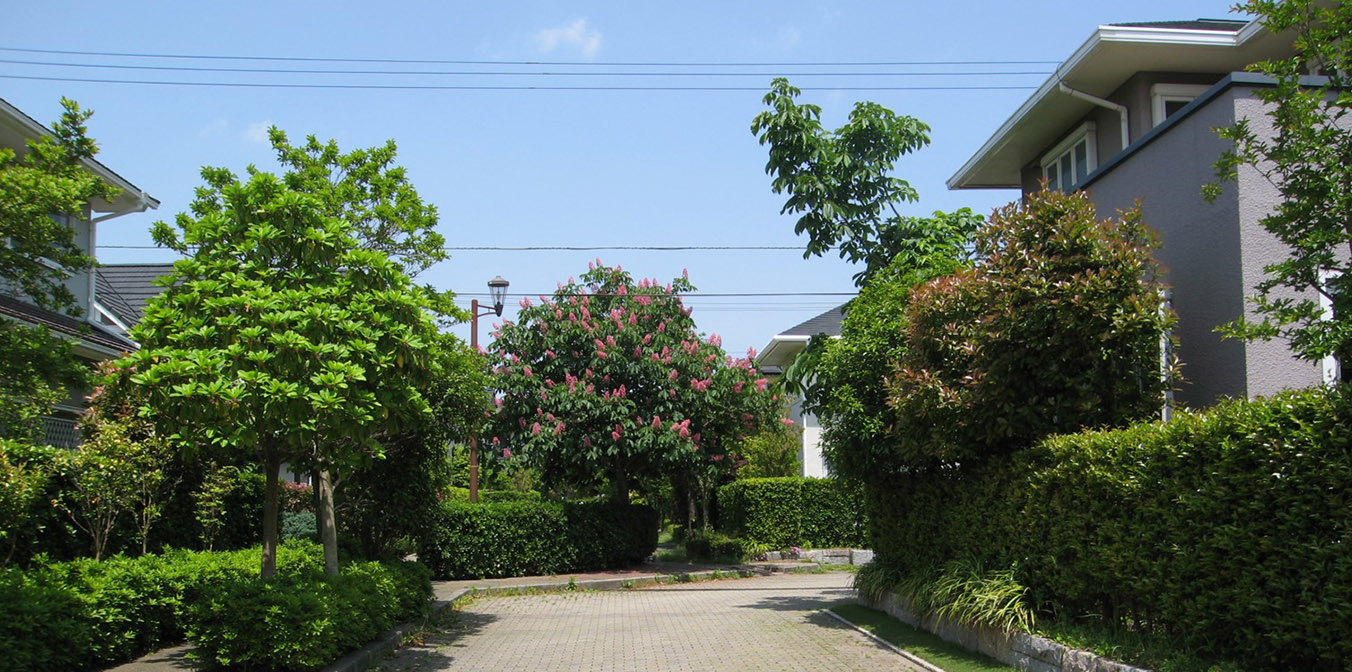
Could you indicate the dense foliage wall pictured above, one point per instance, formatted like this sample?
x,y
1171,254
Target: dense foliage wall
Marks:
x,y
524,538
1228,530
794,511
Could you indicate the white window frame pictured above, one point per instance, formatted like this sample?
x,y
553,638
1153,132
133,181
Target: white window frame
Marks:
x,y
1162,94
1087,133
1330,366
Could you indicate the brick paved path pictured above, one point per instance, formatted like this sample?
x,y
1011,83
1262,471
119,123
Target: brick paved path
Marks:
x,y
764,623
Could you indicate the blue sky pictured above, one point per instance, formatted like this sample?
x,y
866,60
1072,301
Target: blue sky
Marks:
x,y
552,167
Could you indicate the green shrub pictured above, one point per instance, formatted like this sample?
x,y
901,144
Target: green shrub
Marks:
x,y
531,538
1226,531
714,546
81,614
493,496
299,525
793,511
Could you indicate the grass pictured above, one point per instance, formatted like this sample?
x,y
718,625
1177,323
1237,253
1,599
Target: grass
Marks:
x,y
1142,649
945,655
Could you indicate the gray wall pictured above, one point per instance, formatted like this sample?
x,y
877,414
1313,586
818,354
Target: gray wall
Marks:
x,y
1213,254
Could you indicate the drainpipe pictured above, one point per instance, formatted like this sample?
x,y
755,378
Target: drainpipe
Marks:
x,y
1121,109
142,204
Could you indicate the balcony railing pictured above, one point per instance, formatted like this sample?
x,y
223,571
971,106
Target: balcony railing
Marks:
x,y
60,433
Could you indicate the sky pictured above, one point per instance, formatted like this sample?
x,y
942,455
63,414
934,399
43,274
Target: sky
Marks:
x,y
637,159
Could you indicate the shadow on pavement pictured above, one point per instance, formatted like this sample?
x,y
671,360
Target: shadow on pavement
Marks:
x,y
820,599
437,649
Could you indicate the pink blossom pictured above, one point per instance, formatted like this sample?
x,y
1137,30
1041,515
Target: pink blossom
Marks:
x,y
544,395
657,421
525,302
638,352
610,340
786,421
661,327
673,375
622,290
535,428
506,452
549,382
716,340
737,386
622,391
481,349
760,384
615,436
586,441
716,458
515,359
685,273
750,353
497,401
602,354
558,314
522,422
558,429
526,370
550,354
647,338
644,300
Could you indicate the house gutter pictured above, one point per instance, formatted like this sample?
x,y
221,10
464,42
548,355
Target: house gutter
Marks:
x,y
1101,102
143,203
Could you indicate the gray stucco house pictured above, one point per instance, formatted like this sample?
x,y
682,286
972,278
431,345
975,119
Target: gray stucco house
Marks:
x,y
1129,117
778,354
94,337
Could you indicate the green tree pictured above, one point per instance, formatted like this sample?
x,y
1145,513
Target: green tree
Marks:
x,y
279,334
1307,155
365,189
21,484
609,378
39,193
772,452
840,182
1056,328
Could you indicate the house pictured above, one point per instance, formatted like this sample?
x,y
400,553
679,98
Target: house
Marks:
x,y
1130,116
777,356
94,339
123,290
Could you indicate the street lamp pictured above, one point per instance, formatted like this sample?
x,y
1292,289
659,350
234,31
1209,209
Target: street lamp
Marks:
x,y
497,289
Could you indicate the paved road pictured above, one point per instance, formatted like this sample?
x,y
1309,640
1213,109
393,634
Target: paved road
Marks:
x,y
764,623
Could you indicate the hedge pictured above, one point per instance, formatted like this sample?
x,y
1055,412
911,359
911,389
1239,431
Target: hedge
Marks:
x,y
523,538
1229,531
794,511
85,614
493,496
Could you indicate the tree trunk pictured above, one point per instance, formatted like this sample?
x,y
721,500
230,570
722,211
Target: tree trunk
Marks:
x,y
271,493
328,530
689,508
620,479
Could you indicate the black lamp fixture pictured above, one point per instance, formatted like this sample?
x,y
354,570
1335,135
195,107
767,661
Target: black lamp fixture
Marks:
x,y
497,288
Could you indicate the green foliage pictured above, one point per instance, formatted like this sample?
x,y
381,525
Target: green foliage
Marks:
x,y
493,496
945,655
86,614
306,620
772,452
37,370
299,525
718,547
1224,531
524,538
964,591
794,511
21,485
1058,327
840,181
1306,152
609,378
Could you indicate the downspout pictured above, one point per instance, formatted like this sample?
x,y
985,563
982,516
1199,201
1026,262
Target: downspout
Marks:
x,y
142,204
1121,109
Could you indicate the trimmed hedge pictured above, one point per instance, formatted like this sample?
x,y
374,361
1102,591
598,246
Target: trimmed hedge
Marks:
x,y
493,496
794,511
523,538
85,614
1228,531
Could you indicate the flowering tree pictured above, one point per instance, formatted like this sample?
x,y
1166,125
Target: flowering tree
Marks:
x,y
610,379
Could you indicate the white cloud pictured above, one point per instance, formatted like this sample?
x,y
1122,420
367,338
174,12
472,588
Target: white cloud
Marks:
x,y
213,129
257,133
574,34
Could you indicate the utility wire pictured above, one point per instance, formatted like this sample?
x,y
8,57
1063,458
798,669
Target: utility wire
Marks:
x,y
521,73
559,248
673,64
413,87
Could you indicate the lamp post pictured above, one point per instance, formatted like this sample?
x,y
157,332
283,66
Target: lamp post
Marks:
x,y
497,289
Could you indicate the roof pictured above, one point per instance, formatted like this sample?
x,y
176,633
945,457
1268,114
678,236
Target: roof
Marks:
x,y
1111,55
783,347
16,128
80,330
124,289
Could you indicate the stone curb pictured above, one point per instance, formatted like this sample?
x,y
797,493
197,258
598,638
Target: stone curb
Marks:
x,y
370,655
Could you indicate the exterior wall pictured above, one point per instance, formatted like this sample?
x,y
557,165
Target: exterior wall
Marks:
x,y
1213,255
814,462
1268,366
80,283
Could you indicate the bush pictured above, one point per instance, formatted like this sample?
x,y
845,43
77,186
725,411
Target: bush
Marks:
x,y
793,511
494,496
715,546
306,620
83,614
1226,531
533,538
299,525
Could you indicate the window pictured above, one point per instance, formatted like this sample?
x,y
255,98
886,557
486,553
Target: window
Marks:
x,y
1330,366
1167,99
1069,162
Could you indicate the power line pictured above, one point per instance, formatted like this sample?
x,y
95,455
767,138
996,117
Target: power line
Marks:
x,y
561,248
705,295
521,73
673,64
463,87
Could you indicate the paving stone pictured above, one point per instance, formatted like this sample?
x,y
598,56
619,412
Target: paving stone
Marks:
x,y
758,624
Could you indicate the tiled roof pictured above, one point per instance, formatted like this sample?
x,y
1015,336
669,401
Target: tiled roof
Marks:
x,y
1220,25
125,288
827,323
65,324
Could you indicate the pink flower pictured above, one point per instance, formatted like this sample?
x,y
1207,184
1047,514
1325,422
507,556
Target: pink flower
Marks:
x,y
716,458
647,338
760,384
481,349
737,386
657,422
525,302
750,353
716,340
685,273
558,429
615,436
526,370
661,327
535,428
786,421
506,452
673,375
550,354
497,401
